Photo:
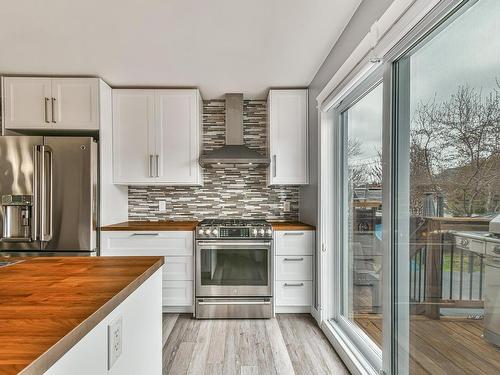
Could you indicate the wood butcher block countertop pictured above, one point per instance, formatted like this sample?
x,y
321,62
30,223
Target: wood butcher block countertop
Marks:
x,y
291,225
49,304
152,226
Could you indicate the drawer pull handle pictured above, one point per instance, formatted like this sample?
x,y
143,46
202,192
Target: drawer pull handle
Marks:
x,y
294,233
293,259
297,284
146,234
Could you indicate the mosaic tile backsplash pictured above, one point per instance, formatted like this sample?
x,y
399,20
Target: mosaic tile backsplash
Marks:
x,y
228,192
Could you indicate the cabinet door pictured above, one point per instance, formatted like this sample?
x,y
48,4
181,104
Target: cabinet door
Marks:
x,y
27,103
178,137
133,136
288,137
74,103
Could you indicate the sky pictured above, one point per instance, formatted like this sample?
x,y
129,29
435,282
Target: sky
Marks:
x,y
465,52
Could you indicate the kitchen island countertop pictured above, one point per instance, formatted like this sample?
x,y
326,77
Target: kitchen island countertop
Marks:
x,y
49,304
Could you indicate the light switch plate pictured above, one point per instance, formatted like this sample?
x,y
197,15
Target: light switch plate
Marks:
x,y
114,341
286,207
162,206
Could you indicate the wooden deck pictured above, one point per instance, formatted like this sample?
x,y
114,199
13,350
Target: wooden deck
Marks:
x,y
446,346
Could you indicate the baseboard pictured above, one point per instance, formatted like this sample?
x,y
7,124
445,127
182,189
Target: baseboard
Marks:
x,y
316,315
178,309
292,309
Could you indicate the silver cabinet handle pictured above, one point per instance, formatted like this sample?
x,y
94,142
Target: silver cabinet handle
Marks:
x,y
274,165
53,111
292,284
151,166
293,259
145,234
157,159
46,110
293,233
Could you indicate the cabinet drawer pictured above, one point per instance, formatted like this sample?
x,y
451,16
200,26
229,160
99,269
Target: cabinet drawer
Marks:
x,y
293,293
178,268
295,242
147,243
177,293
294,267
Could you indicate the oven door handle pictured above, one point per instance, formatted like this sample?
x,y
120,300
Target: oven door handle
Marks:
x,y
234,303
240,244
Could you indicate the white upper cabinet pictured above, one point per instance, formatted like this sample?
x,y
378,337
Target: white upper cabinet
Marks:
x,y
51,103
156,137
133,136
75,103
178,136
288,137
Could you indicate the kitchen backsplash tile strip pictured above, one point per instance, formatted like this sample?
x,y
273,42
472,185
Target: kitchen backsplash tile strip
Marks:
x,y
228,192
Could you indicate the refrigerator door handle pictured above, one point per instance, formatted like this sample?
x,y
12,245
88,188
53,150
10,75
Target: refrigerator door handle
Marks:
x,y
36,192
46,207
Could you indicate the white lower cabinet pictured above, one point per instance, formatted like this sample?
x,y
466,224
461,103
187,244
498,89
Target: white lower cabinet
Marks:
x,y
294,293
293,267
175,246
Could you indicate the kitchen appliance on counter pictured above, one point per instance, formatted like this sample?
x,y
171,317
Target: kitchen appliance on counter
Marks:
x,y
234,265
48,195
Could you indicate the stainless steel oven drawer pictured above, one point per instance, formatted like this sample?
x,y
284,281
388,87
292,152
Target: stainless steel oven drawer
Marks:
x,y
234,308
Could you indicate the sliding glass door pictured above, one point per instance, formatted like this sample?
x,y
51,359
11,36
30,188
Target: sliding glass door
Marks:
x,y
358,223
414,212
448,179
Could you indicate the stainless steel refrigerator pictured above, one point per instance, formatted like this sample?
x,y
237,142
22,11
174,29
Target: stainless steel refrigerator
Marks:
x,y
49,195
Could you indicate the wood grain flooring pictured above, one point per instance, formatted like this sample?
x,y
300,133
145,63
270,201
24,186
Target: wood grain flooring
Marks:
x,y
290,344
445,346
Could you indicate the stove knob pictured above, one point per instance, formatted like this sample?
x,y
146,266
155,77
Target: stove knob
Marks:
x,y
254,232
215,232
207,232
261,232
269,232
201,231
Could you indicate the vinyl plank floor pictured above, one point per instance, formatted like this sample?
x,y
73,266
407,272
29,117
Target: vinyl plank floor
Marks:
x,y
290,344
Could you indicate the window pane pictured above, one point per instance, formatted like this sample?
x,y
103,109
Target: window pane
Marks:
x,y
454,193
362,222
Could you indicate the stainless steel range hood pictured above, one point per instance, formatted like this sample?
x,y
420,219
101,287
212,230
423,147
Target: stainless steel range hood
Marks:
x,y
234,151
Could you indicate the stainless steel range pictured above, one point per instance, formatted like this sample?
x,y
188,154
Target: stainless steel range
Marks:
x,y
234,269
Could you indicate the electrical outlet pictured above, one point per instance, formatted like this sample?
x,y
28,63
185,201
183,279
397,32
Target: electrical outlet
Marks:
x,y
286,207
114,341
162,206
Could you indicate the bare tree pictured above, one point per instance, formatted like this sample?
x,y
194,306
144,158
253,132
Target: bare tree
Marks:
x,y
455,149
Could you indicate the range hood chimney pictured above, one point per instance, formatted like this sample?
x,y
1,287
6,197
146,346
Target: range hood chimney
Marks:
x,y
234,151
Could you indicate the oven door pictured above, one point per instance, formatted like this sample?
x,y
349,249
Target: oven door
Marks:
x,y
233,268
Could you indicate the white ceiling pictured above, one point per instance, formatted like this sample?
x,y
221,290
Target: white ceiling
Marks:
x,y
217,45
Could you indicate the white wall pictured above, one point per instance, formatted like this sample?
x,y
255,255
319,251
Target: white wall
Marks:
x,y
368,12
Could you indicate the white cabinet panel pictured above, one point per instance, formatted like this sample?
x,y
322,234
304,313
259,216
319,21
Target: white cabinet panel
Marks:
x,y
27,102
178,268
75,103
294,267
178,293
157,135
288,137
294,242
133,136
175,246
293,293
178,137
168,243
